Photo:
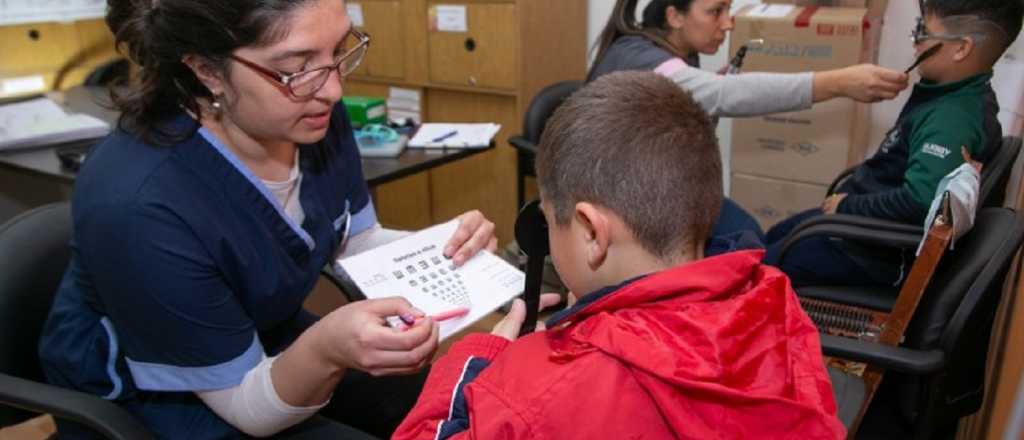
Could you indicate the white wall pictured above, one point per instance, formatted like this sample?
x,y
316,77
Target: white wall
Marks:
x,y
895,52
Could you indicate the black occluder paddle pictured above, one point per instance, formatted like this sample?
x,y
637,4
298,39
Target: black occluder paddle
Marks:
x,y
532,236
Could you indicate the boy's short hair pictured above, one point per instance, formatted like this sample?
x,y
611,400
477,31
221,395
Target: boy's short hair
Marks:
x,y
1006,14
638,145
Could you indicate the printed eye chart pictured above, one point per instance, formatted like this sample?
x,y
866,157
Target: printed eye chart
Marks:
x,y
415,268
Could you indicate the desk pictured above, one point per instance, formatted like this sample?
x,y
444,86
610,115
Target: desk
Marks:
x,y
41,164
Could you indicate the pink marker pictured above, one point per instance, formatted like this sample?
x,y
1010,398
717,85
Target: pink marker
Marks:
x,y
453,313
409,321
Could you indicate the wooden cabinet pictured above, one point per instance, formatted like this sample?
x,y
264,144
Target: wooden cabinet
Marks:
x,y
51,54
486,72
482,56
377,18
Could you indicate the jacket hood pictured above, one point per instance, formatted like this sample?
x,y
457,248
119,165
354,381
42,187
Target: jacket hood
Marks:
x,y
720,339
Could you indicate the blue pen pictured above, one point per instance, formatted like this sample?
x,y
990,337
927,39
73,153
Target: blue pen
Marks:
x,y
445,136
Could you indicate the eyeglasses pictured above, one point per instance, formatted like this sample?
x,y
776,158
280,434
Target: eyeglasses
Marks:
x,y
920,33
306,83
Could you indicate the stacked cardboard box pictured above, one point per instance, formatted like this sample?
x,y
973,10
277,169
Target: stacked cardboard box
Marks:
x,y
783,163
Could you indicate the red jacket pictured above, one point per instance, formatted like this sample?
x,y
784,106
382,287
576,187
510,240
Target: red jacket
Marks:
x,y
717,348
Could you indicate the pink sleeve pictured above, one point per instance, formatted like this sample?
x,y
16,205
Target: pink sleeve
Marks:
x,y
670,67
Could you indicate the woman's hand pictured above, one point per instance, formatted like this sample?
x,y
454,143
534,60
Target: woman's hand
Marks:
x,y
864,83
475,233
357,336
508,327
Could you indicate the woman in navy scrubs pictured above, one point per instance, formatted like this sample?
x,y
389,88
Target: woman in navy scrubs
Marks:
x,y
200,227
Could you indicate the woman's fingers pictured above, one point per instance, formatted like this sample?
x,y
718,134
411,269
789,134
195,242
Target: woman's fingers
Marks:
x,y
475,233
402,360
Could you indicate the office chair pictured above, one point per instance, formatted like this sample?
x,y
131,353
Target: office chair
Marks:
x,y
34,253
937,374
994,178
541,108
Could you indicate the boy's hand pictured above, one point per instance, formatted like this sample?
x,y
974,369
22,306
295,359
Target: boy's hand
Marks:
x,y
967,158
831,204
508,328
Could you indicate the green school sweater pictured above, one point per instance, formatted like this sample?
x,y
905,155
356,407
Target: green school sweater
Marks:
x,y
899,181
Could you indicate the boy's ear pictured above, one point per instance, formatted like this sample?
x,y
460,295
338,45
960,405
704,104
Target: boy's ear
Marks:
x,y
207,73
966,48
595,227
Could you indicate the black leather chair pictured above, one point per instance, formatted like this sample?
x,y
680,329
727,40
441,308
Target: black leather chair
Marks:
x,y
34,253
541,108
937,375
994,178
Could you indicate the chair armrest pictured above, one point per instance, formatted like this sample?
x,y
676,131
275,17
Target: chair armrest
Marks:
x,y
859,220
342,283
900,359
523,145
103,416
862,229
841,178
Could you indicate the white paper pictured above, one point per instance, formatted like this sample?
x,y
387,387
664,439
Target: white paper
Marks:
x,y
22,85
355,13
414,267
451,18
443,135
770,11
40,121
404,93
37,11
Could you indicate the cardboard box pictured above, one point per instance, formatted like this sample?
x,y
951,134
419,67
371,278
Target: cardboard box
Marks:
x,y
876,8
814,145
773,200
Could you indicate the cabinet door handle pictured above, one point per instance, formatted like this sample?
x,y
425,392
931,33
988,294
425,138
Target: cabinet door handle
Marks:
x,y
470,44
472,80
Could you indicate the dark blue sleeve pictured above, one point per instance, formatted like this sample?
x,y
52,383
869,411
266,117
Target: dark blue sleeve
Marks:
x,y
178,322
897,205
349,168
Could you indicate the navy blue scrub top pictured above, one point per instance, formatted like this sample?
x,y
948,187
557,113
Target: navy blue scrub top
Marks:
x,y
186,272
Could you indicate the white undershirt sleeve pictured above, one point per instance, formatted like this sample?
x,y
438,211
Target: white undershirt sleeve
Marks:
x,y
253,406
376,235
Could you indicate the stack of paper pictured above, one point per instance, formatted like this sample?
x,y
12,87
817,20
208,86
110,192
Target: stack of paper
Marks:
x,y
41,122
404,104
439,135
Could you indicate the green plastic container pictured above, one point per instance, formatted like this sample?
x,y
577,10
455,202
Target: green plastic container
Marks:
x,y
364,110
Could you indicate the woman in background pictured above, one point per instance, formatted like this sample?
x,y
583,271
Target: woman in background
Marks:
x,y
669,39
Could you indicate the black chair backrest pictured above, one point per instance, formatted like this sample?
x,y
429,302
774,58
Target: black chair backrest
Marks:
x,y
966,269
969,330
996,173
34,252
543,106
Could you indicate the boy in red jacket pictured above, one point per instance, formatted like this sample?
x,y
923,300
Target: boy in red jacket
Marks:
x,y
665,343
